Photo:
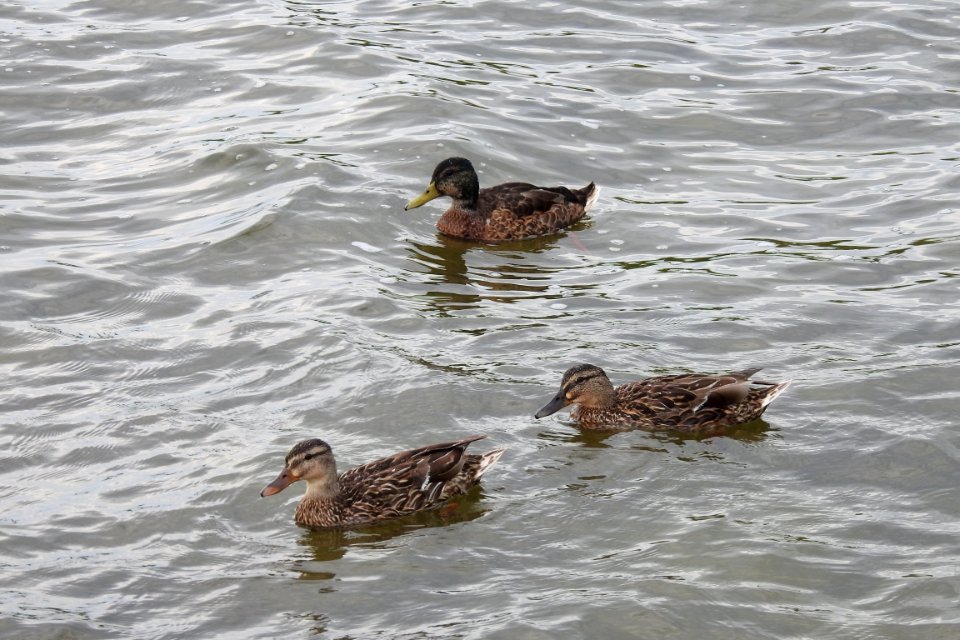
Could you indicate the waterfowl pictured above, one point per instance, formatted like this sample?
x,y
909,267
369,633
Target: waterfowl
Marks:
x,y
509,211
688,402
390,487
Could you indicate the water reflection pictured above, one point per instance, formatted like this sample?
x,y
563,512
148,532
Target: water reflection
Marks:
x,y
752,432
328,545
503,273
444,262
588,438
318,622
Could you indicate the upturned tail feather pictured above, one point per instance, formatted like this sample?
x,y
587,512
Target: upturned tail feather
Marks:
x,y
592,197
487,460
774,392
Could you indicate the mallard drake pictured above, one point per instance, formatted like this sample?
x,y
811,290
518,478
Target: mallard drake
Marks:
x,y
390,487
688,402
509,211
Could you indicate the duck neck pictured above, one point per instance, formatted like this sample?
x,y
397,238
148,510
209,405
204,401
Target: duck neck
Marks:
x,y
325,489
606,399
465,191
602,398
468,204
319,507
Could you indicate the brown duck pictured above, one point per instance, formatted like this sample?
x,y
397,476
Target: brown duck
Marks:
x,y
391,487
688,403
509,211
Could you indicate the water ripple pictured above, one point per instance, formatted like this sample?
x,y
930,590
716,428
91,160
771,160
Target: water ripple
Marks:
x,y
205,259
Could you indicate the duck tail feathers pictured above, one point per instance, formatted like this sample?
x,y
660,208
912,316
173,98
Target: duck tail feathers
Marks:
x,y
487,460
775,391
593,192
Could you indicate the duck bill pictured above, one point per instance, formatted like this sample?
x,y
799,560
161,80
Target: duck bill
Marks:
x,y
423,198
559,402
284,480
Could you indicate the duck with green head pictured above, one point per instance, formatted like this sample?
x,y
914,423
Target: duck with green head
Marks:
x,y
509,211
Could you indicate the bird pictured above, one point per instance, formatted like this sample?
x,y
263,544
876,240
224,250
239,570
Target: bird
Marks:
x,y
509,211
686,403
390,487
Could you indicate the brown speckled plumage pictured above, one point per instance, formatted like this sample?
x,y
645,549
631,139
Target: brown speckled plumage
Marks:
x,y
687,403
510,211
391,487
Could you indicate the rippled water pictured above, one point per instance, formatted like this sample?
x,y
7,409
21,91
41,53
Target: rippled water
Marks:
x,y
204,258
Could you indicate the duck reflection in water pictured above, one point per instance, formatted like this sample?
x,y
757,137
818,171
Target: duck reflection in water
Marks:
x,y
328,545
754,431
502,273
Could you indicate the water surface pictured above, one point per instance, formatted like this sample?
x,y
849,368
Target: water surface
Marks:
x,y
204,258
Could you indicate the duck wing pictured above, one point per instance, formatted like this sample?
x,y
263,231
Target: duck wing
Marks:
x,y
686,399
524,200
407,481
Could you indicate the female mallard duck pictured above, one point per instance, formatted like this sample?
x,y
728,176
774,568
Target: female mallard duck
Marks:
x,y
394,486
688,402
510,211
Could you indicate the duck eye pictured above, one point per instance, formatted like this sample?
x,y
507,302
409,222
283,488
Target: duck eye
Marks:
x,y
308,456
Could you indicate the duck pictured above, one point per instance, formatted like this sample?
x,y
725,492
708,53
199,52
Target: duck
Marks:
x,y
684,403
391,487
509,211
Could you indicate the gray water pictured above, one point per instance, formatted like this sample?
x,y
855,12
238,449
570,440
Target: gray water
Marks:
x,y
204,258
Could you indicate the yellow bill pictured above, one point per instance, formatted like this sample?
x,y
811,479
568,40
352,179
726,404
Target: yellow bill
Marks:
x,y
423,198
